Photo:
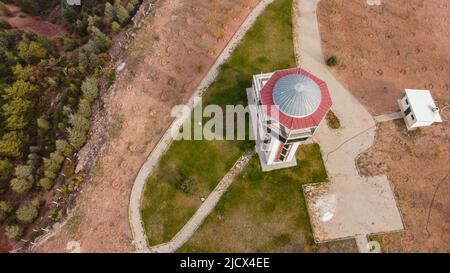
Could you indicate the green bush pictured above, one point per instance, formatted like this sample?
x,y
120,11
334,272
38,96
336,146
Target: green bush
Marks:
x,y
31,52
5,209
115,26
21,185
13,231
123,16
64,147
77,138
84,108
69,44
11,144
46,183
27,213
43,124
101,41
90,89
52,165
78,122
109,12
332,120
6,170
22,72
332,61
94,61
23,180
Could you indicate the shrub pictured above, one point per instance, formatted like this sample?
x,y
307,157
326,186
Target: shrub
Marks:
x,y
43,124
111,77
332,120
23,171
84,108
123,16
332,61
33,159
90,89
94,61
46,183
109,12
11,144
22,72
23,180
13,232
31,52
27,213
21,185
115,26
101,41
5,209
37,202
69,44
63,147
186,185
78,122
77,138
52,165
6,170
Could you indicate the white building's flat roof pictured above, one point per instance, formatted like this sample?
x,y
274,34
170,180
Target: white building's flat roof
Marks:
x,y
422,103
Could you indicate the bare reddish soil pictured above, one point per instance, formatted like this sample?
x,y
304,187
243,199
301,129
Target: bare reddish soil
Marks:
x,y
24,21
170,55
381,50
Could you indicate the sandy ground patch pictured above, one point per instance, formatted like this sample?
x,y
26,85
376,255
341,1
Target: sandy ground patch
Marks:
x,y
381,50
170,55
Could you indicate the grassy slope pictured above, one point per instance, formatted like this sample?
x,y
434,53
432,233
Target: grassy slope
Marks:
x,y
263,212
165,208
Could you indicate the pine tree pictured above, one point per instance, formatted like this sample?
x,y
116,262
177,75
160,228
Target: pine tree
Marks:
x,y
23,180
109,12
6,170
123,16
77,138
84,108
78,122
21,185
63,147
13,231
5,209
90,89
27,213
46,183
101,40
11,144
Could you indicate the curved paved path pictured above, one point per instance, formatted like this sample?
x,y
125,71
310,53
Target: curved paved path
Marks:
x,y
349,205
139,236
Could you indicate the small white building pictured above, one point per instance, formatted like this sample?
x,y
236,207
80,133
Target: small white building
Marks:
x,y
290,105
418,109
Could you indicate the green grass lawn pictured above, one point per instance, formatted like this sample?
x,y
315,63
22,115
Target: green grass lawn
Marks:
x,y
263,212
191,169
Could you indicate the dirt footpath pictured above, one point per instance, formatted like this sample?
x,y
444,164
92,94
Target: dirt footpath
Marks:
x,y
170,55
26,22
382,50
